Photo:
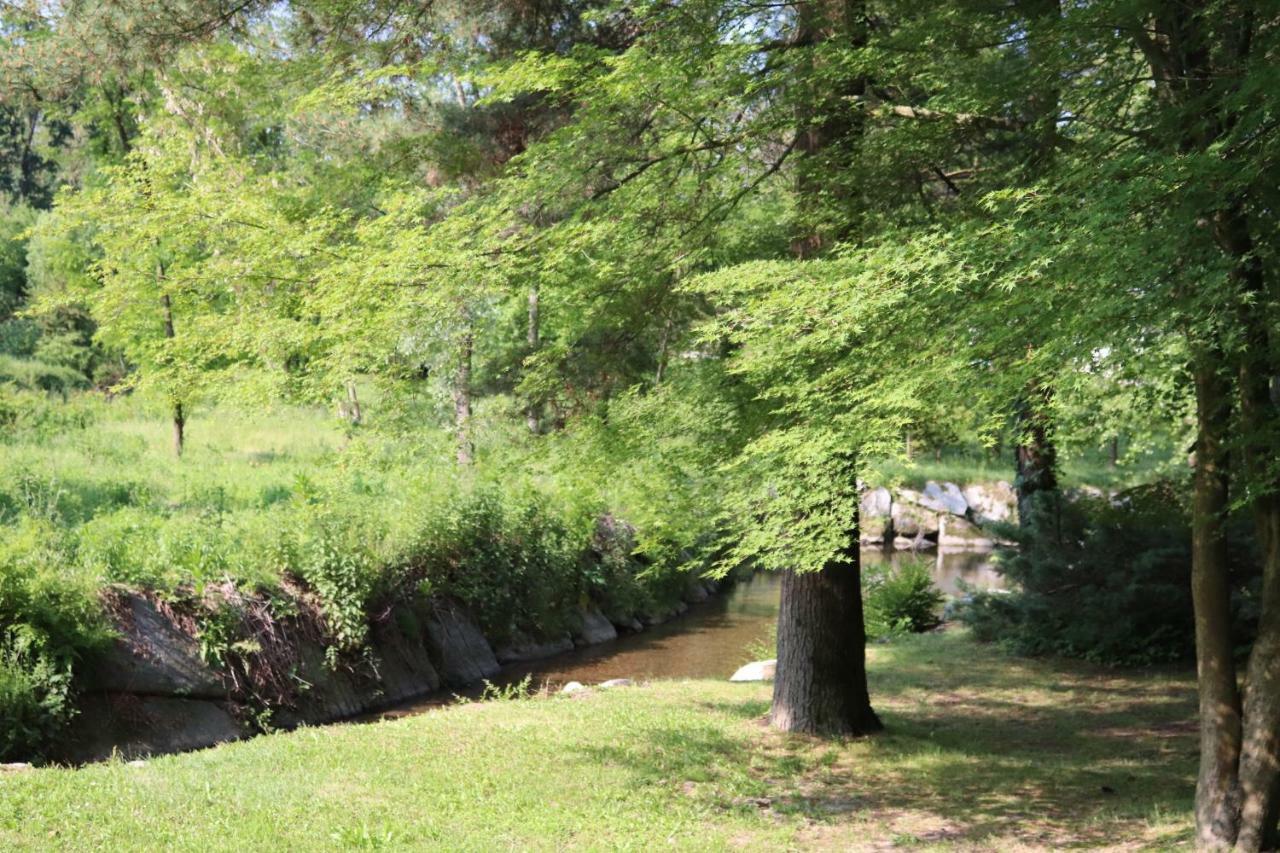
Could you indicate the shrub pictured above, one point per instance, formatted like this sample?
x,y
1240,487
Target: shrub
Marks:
x,y
900,600
50,616
35,694
1105,580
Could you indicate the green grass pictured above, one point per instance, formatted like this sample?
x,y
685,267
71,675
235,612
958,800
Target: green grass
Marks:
x,y
981,752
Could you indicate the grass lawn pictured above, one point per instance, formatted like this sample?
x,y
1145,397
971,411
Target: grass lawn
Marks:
x,y
981,752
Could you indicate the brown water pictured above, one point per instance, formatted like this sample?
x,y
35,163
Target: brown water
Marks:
x,y
710,641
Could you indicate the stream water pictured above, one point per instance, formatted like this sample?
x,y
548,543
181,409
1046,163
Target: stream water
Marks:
x,y
710,641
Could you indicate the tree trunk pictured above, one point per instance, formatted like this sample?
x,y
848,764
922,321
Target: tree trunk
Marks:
x,y
821,682
179,429
352,409
820,686
1035,454
1217,794
1113,453
179,417
1260,738
462,395
532,415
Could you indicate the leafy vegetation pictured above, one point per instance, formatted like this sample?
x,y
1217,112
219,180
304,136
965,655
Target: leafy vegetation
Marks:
x,y
604,290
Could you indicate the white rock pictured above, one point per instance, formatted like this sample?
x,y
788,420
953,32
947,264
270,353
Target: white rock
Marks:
x,y
573,687
616,682
14,767
949,495
876,503
993,502
761,670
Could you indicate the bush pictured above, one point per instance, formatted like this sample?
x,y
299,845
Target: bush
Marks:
x,y
900,600
50,617
1104,580
35,694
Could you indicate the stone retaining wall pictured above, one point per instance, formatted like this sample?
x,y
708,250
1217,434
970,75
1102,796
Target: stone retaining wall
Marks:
x,y
152,692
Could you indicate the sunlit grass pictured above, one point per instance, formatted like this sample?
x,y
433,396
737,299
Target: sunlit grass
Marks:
x,y
981,752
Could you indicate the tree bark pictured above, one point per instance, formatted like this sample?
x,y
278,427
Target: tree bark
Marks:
x,y
820,685
1035,455
1260,738
1217,794
179,416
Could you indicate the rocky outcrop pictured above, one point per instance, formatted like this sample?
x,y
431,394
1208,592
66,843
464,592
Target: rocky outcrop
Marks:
x,y
152,692
135,726
401,659
459,650
942,514
153,655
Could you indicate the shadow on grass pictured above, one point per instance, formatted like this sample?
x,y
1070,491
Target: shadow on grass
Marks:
x,y
977,748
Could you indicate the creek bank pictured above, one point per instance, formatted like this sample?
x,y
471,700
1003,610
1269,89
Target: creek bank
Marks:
x,y
153,691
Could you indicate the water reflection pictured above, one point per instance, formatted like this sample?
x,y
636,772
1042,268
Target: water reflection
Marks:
x,y
975,569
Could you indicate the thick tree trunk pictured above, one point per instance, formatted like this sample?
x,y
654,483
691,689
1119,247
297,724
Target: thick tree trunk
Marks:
x,y
1217,791
462,396
820,686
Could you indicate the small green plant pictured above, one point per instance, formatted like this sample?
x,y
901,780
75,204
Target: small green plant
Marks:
x,y
901,600
506,692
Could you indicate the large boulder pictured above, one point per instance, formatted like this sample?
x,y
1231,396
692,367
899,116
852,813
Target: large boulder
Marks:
x,y
991,501
325,691
875,514
761,670
596,628
696,592
153,655
913,520
947,495
138,726
459,650
875,503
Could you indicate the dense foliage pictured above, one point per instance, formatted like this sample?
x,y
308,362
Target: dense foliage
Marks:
x,y
1106,579
742,252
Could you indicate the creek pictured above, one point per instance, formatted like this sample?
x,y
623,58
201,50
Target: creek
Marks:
x,y
711,640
